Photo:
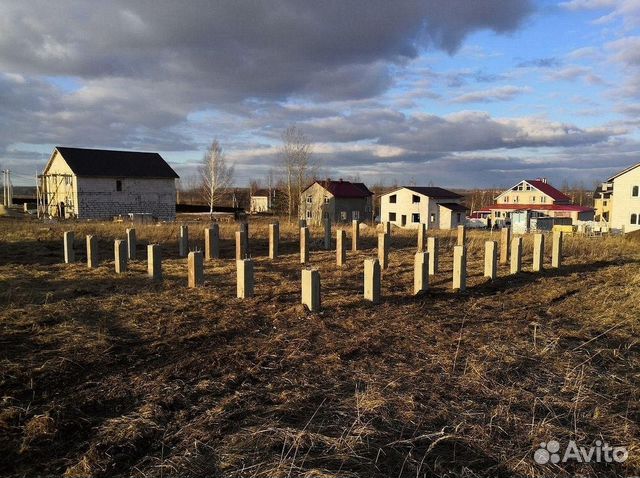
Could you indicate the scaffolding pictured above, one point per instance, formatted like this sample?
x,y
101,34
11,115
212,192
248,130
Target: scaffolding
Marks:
x,y
55,195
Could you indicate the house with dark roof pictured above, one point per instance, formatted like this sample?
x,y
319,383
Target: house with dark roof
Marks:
x,y
100,184
537,198
342,201
410,206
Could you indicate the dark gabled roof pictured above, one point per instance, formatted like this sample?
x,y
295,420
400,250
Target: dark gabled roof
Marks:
x,y
106,163
433,192
344,189
454,206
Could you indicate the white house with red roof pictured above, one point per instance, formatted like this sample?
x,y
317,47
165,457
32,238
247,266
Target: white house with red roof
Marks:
x,y
342,201
539,198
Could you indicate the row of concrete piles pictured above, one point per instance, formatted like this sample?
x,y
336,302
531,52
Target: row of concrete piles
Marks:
x,y
425,263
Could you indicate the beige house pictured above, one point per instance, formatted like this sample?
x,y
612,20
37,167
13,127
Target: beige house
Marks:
x,y
409,206
602,201
342,201
539,198
625,206
100,184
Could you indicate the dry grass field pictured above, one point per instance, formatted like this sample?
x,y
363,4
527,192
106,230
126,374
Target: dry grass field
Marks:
x,y
104,375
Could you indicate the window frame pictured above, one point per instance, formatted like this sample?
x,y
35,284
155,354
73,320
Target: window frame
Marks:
x,y
393,199
415,215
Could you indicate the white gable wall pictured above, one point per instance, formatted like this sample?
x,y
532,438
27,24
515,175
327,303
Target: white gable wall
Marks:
x,y
624,203
404,206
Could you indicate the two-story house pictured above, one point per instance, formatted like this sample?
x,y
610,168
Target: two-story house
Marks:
x,y
409,206
539,199
602,201
342,201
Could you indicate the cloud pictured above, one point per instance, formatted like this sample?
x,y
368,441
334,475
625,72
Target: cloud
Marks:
x,y
570,73
626,53
630,109
626,50
549,62
627,10
243,48
501,93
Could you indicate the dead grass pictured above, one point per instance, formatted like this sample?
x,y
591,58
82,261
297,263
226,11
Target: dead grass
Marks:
x,y
105,375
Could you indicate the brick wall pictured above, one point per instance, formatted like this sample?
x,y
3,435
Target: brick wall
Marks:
x,y
98,198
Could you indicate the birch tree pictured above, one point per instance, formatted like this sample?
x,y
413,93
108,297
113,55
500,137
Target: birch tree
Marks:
x,y
217,175
296,163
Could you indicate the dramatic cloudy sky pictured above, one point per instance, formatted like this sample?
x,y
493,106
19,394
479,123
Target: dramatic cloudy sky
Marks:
x,y
456,93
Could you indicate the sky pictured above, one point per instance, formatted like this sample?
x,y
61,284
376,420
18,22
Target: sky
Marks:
x,y
455,93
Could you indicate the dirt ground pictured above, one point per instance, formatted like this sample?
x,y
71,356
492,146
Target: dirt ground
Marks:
x,y
104,375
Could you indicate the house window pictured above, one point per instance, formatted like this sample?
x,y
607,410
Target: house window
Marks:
x,y
543,198
528,187
506,199
415,199
308,214
309,199
634,192
634,219
533,199
326,200
392,216
118,185
355,215
392,199
459,217
432,218
515,199
604,203
343,215
415,217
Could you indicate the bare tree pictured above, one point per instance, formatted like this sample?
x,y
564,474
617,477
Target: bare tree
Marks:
x,y
216,174
296,162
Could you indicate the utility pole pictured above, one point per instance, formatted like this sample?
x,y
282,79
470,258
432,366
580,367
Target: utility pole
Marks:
x,y
10,189
5,189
